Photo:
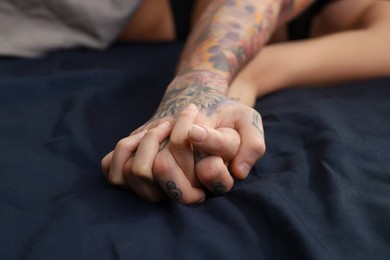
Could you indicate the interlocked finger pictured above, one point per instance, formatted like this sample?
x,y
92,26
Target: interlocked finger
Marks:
x,y
214,174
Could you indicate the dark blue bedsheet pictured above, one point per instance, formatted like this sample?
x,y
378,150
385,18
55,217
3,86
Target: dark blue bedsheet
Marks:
x,y
322,191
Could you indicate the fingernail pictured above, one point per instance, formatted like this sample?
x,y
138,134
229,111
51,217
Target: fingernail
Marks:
x,y
197,133
244,169
192,107
164,125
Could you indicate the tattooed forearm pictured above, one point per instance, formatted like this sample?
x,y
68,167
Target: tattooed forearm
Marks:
x,y
173,191
231,32
228,34
226,37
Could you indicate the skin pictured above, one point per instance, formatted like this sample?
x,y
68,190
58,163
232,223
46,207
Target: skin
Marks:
x,y
227,36
367,21
334,35
153,184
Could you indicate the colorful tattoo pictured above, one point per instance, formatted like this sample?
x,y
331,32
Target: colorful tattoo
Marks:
x,y
228,34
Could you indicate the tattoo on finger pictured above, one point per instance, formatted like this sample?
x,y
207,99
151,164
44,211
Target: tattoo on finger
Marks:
x,y
173,191
219,188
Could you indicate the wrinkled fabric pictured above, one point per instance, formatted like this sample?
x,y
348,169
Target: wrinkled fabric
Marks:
x,y
321,191
30,28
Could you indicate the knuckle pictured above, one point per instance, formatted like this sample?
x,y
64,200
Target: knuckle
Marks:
x,y
249,110
136,170
257,147
127,169
114,180
161,167
121,145
188,112
236,144
219,140
179,145
151,133
177,141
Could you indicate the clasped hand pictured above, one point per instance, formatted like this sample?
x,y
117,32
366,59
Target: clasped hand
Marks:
x,y
180,155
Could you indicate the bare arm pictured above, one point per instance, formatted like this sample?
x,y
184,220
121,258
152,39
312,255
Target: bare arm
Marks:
x,y
359,52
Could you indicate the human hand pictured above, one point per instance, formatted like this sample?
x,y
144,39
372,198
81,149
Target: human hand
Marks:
x,y
216,111
132,163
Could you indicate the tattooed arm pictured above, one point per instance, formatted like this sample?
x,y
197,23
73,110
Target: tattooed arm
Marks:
x,y
228,34
226,37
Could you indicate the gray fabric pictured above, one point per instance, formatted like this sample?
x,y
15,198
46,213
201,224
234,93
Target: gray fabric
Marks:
x,y
30,28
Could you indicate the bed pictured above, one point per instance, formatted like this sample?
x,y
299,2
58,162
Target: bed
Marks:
x,y
322,191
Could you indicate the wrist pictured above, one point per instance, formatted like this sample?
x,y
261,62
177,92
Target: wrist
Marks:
x,y
243,90
202,88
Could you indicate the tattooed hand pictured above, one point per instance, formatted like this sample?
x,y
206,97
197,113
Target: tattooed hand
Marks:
x,y
144,162
217,126
216,110
226,37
